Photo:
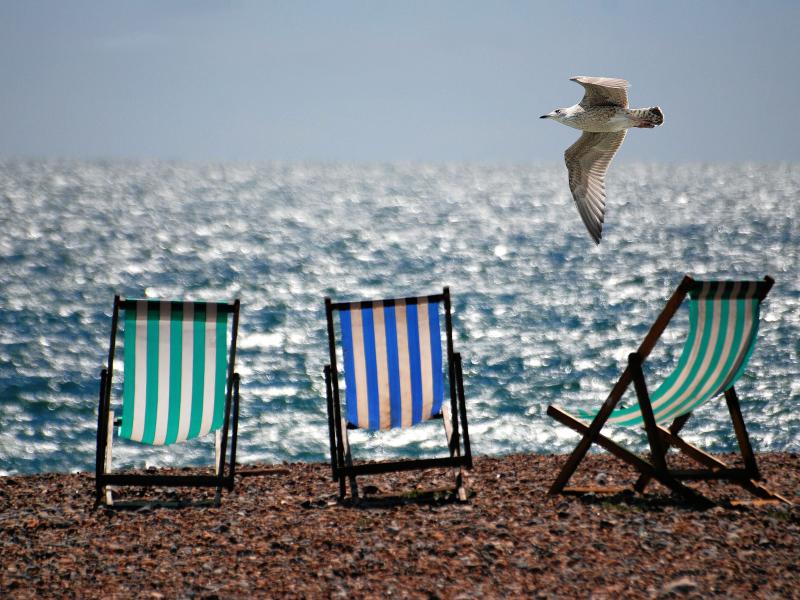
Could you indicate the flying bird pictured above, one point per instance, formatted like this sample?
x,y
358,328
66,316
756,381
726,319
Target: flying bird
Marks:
x,y
603,116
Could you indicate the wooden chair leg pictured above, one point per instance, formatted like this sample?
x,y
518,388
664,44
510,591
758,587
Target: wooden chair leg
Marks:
x,y
715,464
462,407
591,433
632,459
746,449
109,499
455,450
674,429
348,462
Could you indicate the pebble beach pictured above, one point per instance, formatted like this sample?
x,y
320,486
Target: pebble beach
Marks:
x,y
283,533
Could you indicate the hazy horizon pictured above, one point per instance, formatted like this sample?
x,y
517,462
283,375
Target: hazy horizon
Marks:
x,y
378,82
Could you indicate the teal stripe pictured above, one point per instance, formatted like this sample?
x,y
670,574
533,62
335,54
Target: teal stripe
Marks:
x,y
175,356
129,375
696,398
736,323
684,359
151,398
705,340
198,367
754,308
633,412
221,375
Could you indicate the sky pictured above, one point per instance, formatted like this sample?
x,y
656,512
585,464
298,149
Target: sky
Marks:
x,y
404,80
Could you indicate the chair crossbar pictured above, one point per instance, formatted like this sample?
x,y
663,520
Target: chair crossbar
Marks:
x,y
156,479
404,465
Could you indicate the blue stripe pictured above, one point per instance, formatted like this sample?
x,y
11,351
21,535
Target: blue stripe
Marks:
x,y
393,363
368,323
349,367
436,358
414,363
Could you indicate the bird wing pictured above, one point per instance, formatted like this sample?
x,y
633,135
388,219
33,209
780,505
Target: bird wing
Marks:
x,y
587,162
603,91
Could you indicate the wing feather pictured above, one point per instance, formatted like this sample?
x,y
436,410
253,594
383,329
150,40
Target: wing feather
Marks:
x,y
587,161
603,91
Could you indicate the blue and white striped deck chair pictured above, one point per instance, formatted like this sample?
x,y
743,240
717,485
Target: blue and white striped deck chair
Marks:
x,y
178,384
393,367
723,327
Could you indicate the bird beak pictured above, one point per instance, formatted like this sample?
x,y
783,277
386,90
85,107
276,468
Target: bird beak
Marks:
x,y
544,116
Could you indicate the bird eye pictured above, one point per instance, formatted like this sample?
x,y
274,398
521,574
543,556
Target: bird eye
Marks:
x,y
558,111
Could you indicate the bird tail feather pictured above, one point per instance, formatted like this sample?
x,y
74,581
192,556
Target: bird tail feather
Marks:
x,y
649,117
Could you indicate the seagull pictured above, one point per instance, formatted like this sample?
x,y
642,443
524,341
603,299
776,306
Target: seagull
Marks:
x,y
603,116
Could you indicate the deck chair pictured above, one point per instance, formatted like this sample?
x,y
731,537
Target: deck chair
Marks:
x,y
723,325
178,384
394,378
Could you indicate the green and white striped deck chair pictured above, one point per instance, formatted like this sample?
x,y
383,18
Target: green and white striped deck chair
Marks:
x,y
723,327
178,384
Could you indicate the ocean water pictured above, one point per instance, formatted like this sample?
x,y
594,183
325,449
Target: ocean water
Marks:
x,y
541,315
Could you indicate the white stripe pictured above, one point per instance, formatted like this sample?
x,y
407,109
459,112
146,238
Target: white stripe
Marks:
x,y
751,309
162,414
360,367
692,389
209,369
187,362
140,378
382,366
425,359
667,396
405,363
712,385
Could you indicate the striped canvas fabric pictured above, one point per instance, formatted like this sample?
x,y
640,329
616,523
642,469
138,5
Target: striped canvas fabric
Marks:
x,y
175,370
392,363
723,325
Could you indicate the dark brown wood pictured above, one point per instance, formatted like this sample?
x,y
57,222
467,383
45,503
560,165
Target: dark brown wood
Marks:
x,y
331,428
229,390
706,474
406,465
622,384
667,436
102,436
659,438
657,449
386,302
158,480
112,347
663,319
463,409
591,433
632,459
576,424
337,411
235,433
767,286
451,371
732,400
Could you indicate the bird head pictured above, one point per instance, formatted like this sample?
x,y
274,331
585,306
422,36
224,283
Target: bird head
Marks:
x,y
556,115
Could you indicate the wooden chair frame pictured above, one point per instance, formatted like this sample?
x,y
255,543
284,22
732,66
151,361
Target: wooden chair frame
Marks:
x,y
223,477
660,438
453,414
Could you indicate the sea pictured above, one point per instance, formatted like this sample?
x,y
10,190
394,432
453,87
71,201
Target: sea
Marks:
x,y
541,315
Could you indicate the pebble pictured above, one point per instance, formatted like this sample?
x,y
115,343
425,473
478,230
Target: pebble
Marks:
x,y
286,536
